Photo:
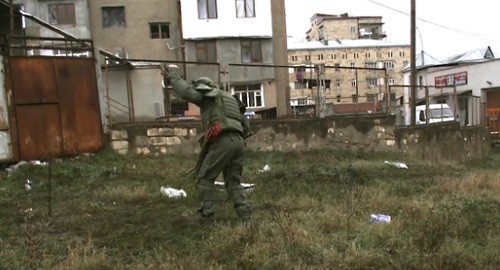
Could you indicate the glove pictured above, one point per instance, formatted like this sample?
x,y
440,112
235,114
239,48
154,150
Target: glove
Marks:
x,y
172,73
173,68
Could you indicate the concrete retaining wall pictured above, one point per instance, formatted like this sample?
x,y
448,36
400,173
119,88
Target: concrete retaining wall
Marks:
x,y
436,143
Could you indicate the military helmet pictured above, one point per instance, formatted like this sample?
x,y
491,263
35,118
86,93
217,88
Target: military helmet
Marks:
x,y
205,80
206,85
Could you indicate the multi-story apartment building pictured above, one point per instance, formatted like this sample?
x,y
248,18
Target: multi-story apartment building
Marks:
x,y
235,34
136,30
358,64
70,16
327,26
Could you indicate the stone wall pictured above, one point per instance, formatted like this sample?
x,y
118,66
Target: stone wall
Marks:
x,y
436,143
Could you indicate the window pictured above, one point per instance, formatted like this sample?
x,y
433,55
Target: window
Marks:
x,y
370,65
402,54
250,95
62,13
367,55
294,58
251,51
338,82
353,82
344,56
371,97
389,64
337,67
308,57
338,98
333,56
302,101
302,84
353,65
354,98
207,9
206,51
159,30
353,29
371,81
389,54
355,55
320,57
113,17
392,81
245,8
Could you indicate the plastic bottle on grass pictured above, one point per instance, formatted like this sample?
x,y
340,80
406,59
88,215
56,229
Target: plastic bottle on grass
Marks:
x,y
380,218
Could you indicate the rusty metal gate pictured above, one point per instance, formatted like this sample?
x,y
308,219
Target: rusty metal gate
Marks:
x,y
55,107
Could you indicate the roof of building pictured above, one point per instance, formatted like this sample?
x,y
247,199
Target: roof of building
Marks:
x,y
479,54
340,44
325,16
423,59
470,57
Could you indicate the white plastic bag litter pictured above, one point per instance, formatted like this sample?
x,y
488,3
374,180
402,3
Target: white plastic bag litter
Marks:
x,y
172,192
265,169
397,164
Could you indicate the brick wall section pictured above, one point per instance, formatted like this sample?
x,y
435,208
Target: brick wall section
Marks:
x,y
436,143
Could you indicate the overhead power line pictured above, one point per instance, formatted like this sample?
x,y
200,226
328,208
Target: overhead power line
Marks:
x,y
456,30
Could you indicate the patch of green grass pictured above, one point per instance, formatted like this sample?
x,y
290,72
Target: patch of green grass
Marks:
x,y
311,211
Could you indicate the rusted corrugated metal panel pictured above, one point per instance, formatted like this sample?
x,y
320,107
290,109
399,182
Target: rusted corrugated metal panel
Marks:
x,y
36,105
39,130
79,105
56,106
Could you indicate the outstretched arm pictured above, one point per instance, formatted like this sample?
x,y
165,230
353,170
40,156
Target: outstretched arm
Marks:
x,y
182,88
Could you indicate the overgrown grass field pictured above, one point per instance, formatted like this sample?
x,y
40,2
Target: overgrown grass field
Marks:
x,y
311,211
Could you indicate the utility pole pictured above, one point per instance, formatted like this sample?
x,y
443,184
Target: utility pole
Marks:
x,y
413,72
280,57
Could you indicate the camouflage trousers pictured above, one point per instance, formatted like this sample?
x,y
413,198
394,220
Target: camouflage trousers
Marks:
x,y
224,155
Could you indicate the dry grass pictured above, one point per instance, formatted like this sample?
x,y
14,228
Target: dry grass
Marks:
x,y
311,212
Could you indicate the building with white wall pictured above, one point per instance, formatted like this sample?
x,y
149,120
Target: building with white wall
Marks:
x,y
468,83
237,35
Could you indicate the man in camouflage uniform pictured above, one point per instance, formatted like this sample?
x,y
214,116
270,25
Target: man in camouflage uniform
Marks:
x,y
223,145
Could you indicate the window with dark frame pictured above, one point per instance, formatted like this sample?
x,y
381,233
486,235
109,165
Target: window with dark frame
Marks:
x,y
60,14
371,97
113,17
159,30
354,98
251,51
371,81
245,8
207,9
206,51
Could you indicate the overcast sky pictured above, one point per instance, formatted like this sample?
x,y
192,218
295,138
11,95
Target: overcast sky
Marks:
x,y
445,27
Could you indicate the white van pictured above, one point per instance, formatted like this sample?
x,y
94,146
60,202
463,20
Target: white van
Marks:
x,y
434,114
